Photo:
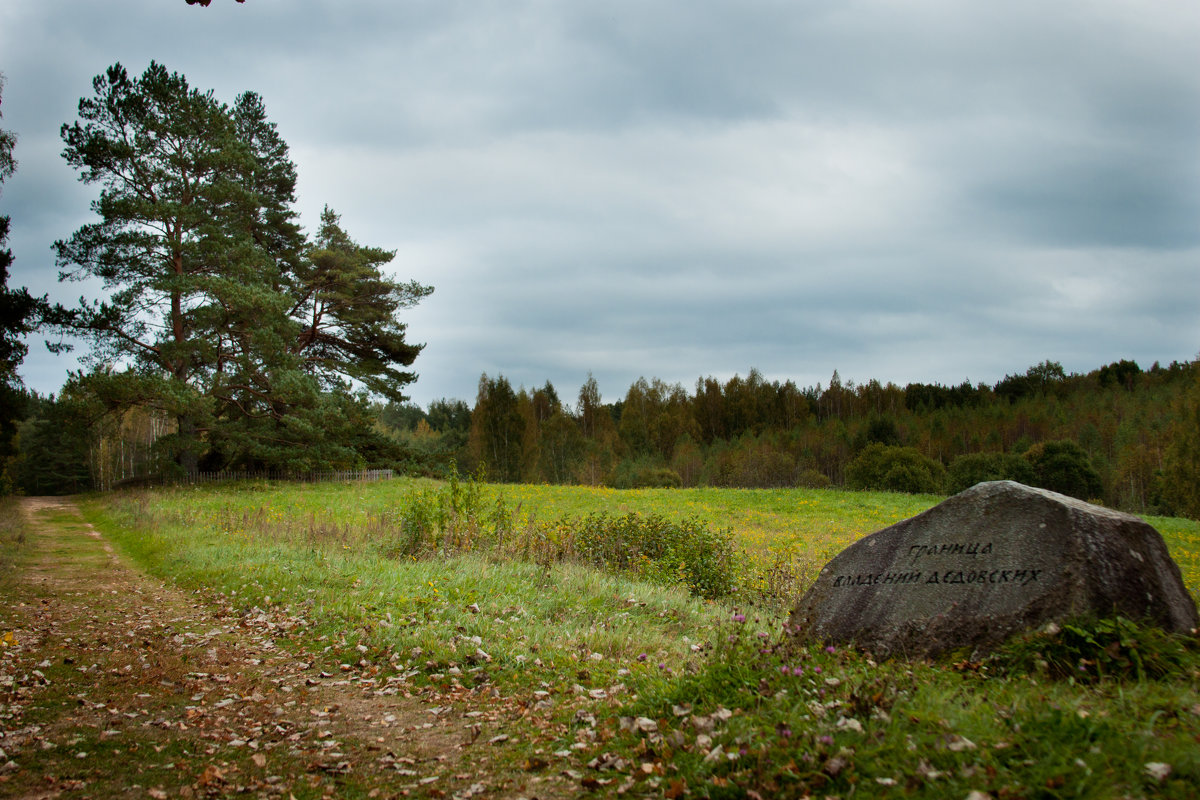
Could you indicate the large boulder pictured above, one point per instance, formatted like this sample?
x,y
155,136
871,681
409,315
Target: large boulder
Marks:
x,y
997,559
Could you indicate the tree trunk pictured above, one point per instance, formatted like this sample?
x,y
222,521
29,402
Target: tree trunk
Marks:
x,y
188,456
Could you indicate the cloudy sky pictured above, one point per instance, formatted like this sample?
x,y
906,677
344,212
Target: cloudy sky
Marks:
x,y
923,190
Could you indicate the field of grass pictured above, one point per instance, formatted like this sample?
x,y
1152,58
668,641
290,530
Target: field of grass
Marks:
x,y
658,689
786,535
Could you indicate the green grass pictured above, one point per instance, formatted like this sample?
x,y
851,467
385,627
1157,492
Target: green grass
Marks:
x,y
434,613
785,535
789,721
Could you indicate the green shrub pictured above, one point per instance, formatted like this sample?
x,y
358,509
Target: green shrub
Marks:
x,y
660,478
663,550
1087,650
451,518
966,471
645,474
895,469
813,479
1064,467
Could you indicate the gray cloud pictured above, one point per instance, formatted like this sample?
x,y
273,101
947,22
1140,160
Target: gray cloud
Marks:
x,y
923,191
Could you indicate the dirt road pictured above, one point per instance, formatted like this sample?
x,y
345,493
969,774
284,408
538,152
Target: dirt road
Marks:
x,y
114,684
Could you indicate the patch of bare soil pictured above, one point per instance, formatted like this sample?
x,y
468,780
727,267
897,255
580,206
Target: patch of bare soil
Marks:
x,y
113,683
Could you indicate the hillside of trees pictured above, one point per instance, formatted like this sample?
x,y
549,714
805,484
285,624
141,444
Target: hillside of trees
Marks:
x,y
1119,435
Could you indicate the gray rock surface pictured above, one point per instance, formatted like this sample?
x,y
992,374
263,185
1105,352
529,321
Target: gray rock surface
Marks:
x,y
998,559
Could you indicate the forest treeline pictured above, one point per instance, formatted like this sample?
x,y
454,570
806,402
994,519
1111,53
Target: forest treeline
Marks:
x,y
1119,434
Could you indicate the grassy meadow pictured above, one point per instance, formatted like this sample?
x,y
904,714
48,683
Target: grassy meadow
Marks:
x,y
660,669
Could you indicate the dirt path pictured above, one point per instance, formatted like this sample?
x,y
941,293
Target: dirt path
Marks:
x,y
113,684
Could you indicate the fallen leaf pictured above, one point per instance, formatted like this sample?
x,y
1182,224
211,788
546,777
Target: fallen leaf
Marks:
x,y
959,743
1158,770
834,766
212,776
849,724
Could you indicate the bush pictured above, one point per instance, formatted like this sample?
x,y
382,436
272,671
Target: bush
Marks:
x,y
968,470
643,474
660,549
452,518
660,478
813,479
1086,650
1064,467
895,469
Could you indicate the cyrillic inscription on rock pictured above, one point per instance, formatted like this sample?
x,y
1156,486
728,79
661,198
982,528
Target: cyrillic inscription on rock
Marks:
x,y
994,560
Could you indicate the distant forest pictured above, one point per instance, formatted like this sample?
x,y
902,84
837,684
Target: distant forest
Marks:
x,y
1120,435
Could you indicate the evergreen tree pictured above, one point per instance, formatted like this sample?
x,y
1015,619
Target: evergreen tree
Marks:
x,y
57,440
20,314
498,430
349,314
1181,472
450,416
223,314
8,141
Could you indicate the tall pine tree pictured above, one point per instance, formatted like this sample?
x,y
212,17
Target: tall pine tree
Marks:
x,y
220,311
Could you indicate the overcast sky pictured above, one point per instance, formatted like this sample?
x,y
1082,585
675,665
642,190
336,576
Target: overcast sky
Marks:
x,y
922,190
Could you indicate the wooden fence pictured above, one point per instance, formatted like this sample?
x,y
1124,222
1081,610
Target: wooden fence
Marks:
x,y
331,476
